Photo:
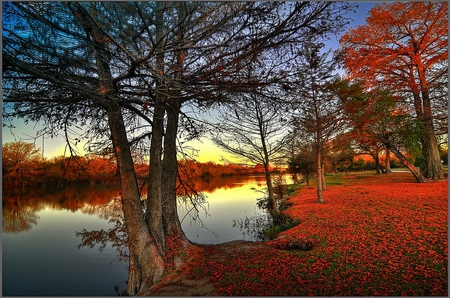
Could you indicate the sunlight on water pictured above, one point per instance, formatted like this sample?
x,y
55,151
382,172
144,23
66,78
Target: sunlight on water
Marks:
x,y
224,206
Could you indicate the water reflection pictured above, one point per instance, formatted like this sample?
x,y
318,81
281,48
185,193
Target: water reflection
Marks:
x,y
20,206
40,254
226,198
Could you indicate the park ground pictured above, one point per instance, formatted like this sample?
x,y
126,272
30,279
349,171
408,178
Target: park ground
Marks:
x,y
376,235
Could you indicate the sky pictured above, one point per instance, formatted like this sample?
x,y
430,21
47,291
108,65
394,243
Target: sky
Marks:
x,y
207,150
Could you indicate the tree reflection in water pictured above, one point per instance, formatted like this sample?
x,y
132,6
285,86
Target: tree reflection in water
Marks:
x,y
116,236
20,206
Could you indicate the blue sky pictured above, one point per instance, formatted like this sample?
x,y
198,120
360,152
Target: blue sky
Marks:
x,y
208,151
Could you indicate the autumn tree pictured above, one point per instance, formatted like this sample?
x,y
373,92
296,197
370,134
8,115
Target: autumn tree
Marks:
x,y
21,164
404,47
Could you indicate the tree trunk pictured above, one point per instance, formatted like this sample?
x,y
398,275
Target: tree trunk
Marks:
x,y
146,264
417,174
272,199
266,161
432,168
377,162
387,160
324,183
320,198
171,222
154,212
154,196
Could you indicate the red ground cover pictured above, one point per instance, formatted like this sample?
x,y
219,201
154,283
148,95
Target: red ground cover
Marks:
x,y
383,235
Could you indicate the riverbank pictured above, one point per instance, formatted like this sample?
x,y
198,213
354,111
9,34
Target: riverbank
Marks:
x,y
382,235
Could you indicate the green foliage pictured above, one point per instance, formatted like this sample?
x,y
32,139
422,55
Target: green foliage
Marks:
x,y
280,222
302,163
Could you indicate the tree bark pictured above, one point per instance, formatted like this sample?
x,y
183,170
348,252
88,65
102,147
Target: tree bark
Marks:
x,y
154,212
377,162
432,168
171,222
324,182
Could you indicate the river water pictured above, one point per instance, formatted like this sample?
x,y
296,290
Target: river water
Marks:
x,y
40,248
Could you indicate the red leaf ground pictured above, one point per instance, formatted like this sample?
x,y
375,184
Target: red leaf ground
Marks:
x,y
380,235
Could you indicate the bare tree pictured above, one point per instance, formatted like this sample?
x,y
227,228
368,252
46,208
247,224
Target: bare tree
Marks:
x,y
319,114
253,129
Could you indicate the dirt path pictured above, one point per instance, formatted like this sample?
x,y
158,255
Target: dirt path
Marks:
x,y
178,283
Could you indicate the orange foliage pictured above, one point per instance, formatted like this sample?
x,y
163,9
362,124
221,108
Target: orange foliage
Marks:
x,y
397,38
26,168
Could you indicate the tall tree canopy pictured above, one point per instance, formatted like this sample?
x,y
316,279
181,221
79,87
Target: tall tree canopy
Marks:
x,y
404,47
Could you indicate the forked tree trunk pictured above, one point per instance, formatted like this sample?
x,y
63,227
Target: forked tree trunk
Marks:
x,y
146,264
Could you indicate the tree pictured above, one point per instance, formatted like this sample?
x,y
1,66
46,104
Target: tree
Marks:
x,y
303,162
119,74
255,131
319,114
20,163
378,117
404,47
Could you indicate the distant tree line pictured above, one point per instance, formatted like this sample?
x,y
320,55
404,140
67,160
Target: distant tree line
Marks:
x,y
22,165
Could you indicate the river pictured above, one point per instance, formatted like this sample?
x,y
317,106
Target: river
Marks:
x,y
40,247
